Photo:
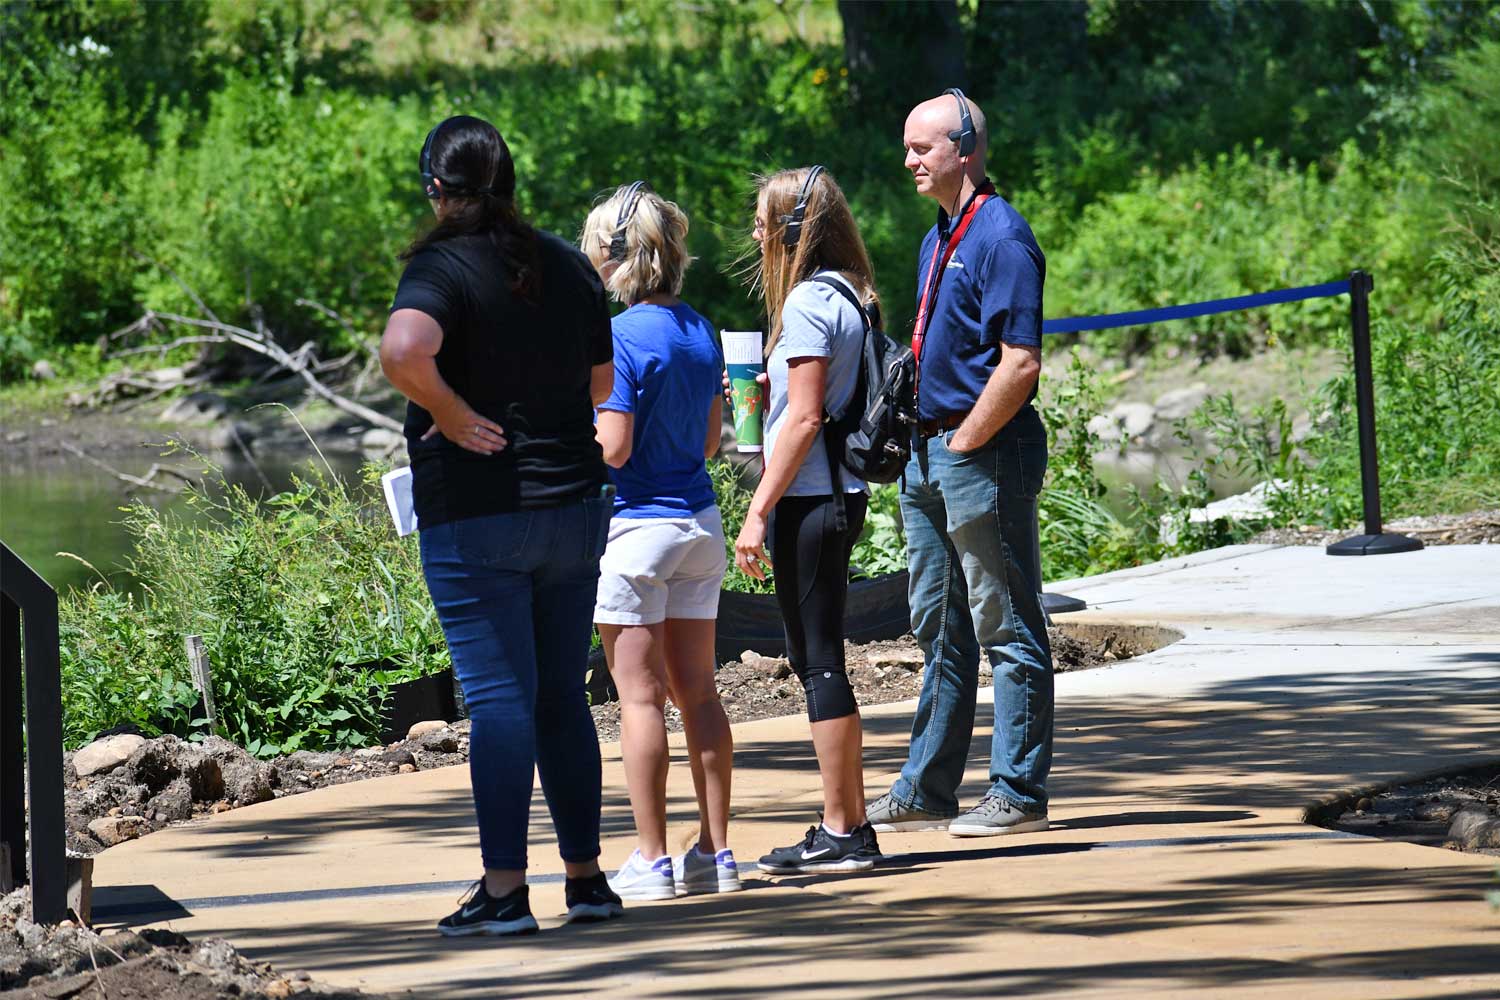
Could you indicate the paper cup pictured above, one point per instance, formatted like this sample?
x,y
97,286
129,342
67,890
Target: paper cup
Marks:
x,y
744,357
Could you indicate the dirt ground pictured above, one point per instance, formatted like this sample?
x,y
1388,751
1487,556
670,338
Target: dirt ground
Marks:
x,y
1478,527
67,961
1458,811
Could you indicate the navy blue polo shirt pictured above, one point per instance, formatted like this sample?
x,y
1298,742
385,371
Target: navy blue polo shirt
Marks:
x,y
989,294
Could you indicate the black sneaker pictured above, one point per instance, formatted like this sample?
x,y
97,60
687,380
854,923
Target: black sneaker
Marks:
x,y
591,899
480,913
821,851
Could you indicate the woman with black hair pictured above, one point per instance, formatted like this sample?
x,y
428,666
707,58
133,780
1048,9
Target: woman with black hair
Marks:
x,y
499,336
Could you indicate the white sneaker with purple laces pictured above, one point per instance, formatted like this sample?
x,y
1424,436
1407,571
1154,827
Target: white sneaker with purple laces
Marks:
x,y
704,873
642,879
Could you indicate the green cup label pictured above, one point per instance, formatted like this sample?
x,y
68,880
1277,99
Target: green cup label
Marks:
x,y
749,404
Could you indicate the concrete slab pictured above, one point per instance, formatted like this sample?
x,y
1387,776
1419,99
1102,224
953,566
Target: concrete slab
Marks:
x,y
1178,863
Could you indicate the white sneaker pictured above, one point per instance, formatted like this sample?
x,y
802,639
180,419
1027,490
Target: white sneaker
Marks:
x,y
703,873
642,879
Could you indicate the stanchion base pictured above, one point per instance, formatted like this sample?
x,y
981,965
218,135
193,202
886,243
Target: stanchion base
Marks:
x,y
1382,544
1061,604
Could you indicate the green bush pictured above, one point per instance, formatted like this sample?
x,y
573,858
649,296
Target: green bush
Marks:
x,y
283,592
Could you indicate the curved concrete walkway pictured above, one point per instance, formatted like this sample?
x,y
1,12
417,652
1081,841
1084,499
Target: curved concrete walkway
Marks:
x,y
1178,863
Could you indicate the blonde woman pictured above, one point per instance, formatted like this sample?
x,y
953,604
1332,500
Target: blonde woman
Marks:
x,y
659,580
807,239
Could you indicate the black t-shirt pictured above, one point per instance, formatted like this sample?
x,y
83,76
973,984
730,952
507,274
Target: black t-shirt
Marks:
x,y
524,365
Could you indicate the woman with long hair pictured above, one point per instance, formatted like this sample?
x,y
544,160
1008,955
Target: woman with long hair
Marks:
x,y
499,337
659,581
808,508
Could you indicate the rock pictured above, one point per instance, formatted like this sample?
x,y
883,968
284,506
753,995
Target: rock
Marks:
x,y
155,764
246,780
1105,428
1364,804
43,371
277,989
173,803
1135,419
165,376
1247,508
1180,403
204,777
379,441
112,830
397,757
232,435
1475,828
423,728
197,407
103,756
441,741
368,752
909,660
16,437
407,768
773,665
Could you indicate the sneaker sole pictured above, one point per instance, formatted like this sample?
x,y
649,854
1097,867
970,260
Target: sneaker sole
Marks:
x,y
843,865
499,928
1035,826
709,888
912,826
646,893
592,913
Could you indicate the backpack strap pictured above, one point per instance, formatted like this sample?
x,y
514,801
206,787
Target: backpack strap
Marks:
x,y
831,423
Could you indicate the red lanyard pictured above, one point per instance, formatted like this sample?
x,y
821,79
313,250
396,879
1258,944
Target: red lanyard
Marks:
x,y
935,270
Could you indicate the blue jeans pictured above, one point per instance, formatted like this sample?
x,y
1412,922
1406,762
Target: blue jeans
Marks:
x,y
515,594
974,586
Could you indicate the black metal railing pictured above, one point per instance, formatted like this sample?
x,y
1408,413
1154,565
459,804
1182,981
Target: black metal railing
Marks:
x,y
31,737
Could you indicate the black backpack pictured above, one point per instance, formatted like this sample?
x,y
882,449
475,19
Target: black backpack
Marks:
x,y
872,436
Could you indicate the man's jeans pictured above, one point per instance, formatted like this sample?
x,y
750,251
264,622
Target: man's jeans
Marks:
x,y
974,586
515,593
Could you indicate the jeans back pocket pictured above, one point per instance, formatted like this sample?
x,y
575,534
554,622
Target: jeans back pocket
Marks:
x,y
494,540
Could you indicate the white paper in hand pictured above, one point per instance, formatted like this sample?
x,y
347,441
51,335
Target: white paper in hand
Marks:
x,y
397,486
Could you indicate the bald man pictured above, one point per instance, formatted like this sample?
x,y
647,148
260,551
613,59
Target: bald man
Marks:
x,y
970,499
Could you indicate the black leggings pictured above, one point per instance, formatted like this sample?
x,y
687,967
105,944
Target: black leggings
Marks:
x,y
812,582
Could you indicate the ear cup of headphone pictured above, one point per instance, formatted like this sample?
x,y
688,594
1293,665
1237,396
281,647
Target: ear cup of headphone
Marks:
x,y
965,135
793,231
632,199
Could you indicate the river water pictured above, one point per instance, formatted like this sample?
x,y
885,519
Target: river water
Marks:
x,y
60,513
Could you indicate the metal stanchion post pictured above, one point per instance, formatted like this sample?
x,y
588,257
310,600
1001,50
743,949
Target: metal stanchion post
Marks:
x,y
1374,541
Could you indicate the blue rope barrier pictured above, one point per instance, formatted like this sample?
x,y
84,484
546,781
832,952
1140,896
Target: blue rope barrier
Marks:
x,y
1143,316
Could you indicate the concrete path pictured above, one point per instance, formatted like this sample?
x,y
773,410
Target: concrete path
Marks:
x,y
1178,862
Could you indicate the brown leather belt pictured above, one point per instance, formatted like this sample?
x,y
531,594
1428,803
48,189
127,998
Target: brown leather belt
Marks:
x,y
928,428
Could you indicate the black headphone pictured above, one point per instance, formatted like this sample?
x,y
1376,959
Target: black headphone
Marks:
x,y
430,179
793,222
633,196
964,135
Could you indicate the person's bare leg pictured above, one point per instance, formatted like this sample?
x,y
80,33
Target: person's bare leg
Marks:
x,y
839,746
637,664
500,882
690,669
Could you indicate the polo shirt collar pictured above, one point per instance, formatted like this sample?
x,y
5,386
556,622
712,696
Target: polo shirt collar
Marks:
x,y
945,221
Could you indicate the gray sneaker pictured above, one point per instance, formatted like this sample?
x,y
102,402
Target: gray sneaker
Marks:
x,y
994,816
887,815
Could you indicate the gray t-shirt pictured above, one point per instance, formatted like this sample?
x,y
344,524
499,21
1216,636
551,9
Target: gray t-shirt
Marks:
x,y
816,322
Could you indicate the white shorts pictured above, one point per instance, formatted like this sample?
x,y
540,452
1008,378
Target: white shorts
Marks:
x,y
656,568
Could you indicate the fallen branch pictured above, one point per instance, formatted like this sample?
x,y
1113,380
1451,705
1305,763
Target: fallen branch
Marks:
x,y
145,482
303,363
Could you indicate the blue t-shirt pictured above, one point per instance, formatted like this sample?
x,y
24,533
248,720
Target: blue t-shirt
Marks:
x,y
989,294
668,371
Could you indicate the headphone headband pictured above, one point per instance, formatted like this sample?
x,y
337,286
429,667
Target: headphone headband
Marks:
x,y
793,222
964,135
633,195
430,180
